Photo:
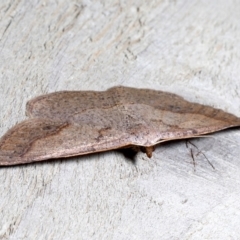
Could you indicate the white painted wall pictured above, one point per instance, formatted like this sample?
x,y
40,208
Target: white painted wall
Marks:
x,y
186,47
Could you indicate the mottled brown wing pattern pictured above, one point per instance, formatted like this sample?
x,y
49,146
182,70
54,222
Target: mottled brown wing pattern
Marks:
x,y
72,123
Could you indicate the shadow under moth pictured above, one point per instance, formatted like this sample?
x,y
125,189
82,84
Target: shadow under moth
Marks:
x,y
72,123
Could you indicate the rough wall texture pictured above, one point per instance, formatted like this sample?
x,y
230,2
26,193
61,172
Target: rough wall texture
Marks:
x,y
186,47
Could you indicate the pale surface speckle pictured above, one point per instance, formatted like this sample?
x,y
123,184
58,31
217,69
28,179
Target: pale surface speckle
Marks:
x,y
187,47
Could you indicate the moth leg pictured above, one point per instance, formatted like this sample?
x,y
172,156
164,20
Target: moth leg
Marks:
x,y
148,150
194,163
199,152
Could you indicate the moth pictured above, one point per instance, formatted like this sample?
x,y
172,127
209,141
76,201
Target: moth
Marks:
x,y
72,123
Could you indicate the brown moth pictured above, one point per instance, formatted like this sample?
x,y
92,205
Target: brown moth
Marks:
x,y
65,124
